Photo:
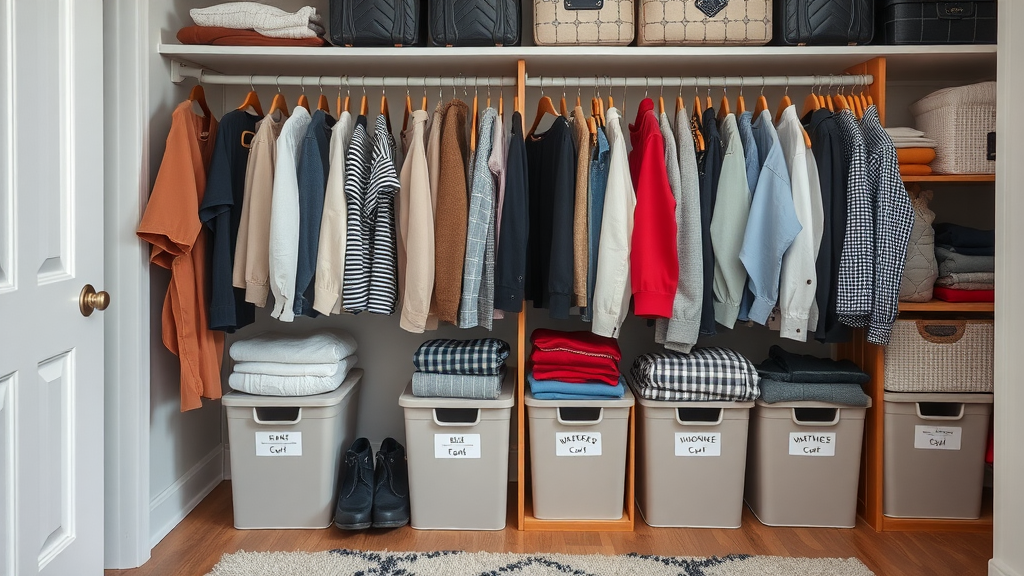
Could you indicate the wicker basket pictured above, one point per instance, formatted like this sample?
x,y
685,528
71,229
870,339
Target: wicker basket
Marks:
x,y
940,356
959,119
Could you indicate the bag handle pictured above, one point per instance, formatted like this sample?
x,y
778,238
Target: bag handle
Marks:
x,y
942,331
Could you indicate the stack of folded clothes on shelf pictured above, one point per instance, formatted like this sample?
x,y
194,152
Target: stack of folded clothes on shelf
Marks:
x,y
575,366
253,24
704,375
914,150
788,377
273,364
967,263
471,369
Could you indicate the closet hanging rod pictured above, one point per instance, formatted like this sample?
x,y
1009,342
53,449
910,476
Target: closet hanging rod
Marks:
x,y
835,80
180,71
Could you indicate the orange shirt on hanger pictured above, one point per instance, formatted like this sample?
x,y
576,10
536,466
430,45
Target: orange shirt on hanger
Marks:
x,y
171,224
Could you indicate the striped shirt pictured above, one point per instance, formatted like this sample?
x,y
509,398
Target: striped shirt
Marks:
x,y
356,288
380,220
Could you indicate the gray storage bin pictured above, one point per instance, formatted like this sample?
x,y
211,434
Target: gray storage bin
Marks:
x,y
286,452
578,457
803,463
935,454
458,459
690,462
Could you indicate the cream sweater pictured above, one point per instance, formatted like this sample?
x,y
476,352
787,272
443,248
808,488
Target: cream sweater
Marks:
x,y
416,228
330,255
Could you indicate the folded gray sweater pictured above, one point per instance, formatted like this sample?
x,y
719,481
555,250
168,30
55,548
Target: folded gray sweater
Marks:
x,y
433,385
950,280
773,391
955,263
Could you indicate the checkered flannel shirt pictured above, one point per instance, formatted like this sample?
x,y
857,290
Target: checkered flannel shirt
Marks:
x,y
481,357
857,261
704,374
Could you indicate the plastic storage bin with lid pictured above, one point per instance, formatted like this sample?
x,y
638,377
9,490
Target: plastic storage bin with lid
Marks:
x,y
578,454
935,454
458,459
690,462
803,463
286,453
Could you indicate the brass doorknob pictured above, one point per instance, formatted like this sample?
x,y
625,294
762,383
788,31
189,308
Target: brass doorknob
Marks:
x,y
90,300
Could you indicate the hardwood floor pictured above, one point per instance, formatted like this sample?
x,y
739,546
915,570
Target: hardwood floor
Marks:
x,y
196,544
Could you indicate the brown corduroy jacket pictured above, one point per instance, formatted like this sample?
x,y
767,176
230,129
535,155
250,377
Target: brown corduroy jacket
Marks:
x,y
580,231
452,216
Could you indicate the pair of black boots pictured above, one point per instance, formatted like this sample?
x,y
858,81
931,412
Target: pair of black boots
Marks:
x,y
377,497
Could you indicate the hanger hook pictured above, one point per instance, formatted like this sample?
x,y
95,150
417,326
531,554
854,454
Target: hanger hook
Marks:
x,y
302,84
647,85
201,72
362,83
320,83
277,81
741,86
541,86
251,87
762,85
579,90
725,90
597,86
787,85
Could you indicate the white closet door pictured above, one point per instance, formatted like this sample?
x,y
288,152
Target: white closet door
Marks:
x,y
51,246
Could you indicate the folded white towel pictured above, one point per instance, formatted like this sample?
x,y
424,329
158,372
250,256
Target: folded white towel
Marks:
x,y
903,131
282,369
323,347
915,143
269,21
268,385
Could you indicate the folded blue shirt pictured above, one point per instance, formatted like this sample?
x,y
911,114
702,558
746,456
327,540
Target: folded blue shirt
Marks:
x,y
557,390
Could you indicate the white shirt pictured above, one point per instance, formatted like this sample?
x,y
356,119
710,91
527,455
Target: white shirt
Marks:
x,y
284,215
330,256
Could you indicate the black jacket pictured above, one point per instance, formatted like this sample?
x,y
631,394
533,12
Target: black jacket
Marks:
x,y
510,261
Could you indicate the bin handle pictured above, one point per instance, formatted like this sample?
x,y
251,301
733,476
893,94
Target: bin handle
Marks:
x,y
721,416
256,417
600,417
799,422
917,406
455,424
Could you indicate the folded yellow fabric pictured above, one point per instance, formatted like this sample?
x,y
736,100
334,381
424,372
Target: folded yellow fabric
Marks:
x,y
915,170
915,155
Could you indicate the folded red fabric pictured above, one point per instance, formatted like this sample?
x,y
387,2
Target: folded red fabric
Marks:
x,y
575,375
217,36
954,295
579,342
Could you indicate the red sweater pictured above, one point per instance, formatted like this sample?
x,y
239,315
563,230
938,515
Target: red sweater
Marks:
x,y
653,259
574,357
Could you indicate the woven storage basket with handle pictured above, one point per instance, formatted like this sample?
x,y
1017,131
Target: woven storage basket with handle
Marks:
x,y
959,119
940,356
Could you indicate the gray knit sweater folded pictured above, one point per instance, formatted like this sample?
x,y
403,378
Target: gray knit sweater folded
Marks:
x,y
955,263
773,392
431,385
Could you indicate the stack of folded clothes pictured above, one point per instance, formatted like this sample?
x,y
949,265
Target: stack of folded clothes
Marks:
x,y
914,150
471,369
788,377
967,263
253,24
273,364
703,375
575,366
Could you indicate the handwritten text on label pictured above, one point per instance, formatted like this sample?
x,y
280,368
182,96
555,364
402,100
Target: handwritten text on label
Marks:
x,y
279,443
812,443
937,437
577,443
456,445
698,444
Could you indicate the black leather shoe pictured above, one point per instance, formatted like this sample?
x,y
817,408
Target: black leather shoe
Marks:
x,y
355,501
391,486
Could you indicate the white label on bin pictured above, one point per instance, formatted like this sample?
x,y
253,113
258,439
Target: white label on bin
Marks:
x,y
812,443
279,443
694,444
937,437
456,445
577,444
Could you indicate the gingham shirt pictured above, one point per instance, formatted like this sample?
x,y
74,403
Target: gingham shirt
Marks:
x,y
857,262
482,356
705,374
894,218
479,231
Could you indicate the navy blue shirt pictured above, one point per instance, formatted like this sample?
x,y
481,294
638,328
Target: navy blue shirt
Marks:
x,y
221,212
710,168
313,166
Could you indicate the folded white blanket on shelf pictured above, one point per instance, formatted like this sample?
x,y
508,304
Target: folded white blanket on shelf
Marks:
x,y
269,21
322,347
914,143
903,131
282,369
270,385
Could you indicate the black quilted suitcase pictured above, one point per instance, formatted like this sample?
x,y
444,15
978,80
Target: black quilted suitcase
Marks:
x,y
474,22
938,22
376,23
824,22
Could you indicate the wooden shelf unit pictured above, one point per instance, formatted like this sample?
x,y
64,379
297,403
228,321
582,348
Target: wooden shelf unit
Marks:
x,y
951,178
947,307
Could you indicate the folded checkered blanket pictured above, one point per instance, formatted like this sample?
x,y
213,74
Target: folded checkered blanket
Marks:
x,y
480,357
705,374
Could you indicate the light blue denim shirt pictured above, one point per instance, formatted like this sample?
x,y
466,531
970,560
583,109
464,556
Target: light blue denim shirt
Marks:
x,y
772,225
750,156
595,210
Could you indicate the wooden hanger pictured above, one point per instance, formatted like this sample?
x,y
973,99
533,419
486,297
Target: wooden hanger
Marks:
x,y
408,110
698,108
723,109
811,103
364,105
762,102
252,100
198,95
303,101
679,104
544,106
562,108
661,104
474,118
783,104
501,103
279,104
741,105
384,108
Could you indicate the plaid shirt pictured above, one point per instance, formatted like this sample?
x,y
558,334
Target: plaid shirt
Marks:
x,y
857,262
481,357
894,218
703,375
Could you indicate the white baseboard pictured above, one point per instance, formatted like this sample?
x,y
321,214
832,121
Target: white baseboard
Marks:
x,y
997,568
171,506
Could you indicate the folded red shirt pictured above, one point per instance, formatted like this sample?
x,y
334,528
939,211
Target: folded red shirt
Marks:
x,y
576,374
580,342
954,295
217,36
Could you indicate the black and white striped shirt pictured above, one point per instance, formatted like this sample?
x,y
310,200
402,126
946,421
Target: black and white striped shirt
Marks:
x,y
356,285
380,215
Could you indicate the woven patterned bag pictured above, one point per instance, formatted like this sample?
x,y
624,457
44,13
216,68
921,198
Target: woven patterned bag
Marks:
x,y
959,119
583,22
940,356
704,22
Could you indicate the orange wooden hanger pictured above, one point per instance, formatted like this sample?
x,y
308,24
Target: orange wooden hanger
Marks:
x,y
811,103
364,106
252,100
561,104
723,109
783,104
198,95
303,101
544,106
279,103
762,102
741,105
408,110
321,102
384,108
475,117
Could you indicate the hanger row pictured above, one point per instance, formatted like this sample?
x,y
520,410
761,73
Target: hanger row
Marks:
x,y
648,82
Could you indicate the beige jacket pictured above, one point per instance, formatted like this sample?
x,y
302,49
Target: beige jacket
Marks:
x,y
330,255
580,233
416,228
252,245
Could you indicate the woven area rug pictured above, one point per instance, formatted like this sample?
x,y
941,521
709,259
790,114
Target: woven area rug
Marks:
x,y
359,563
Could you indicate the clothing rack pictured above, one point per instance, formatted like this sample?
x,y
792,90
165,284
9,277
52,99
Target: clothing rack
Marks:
x,y
835,80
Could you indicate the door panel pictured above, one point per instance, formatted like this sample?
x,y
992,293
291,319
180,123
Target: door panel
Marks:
x,y
51,245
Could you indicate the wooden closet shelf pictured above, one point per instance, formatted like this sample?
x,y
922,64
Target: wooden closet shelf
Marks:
x,y
941,306
951,178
